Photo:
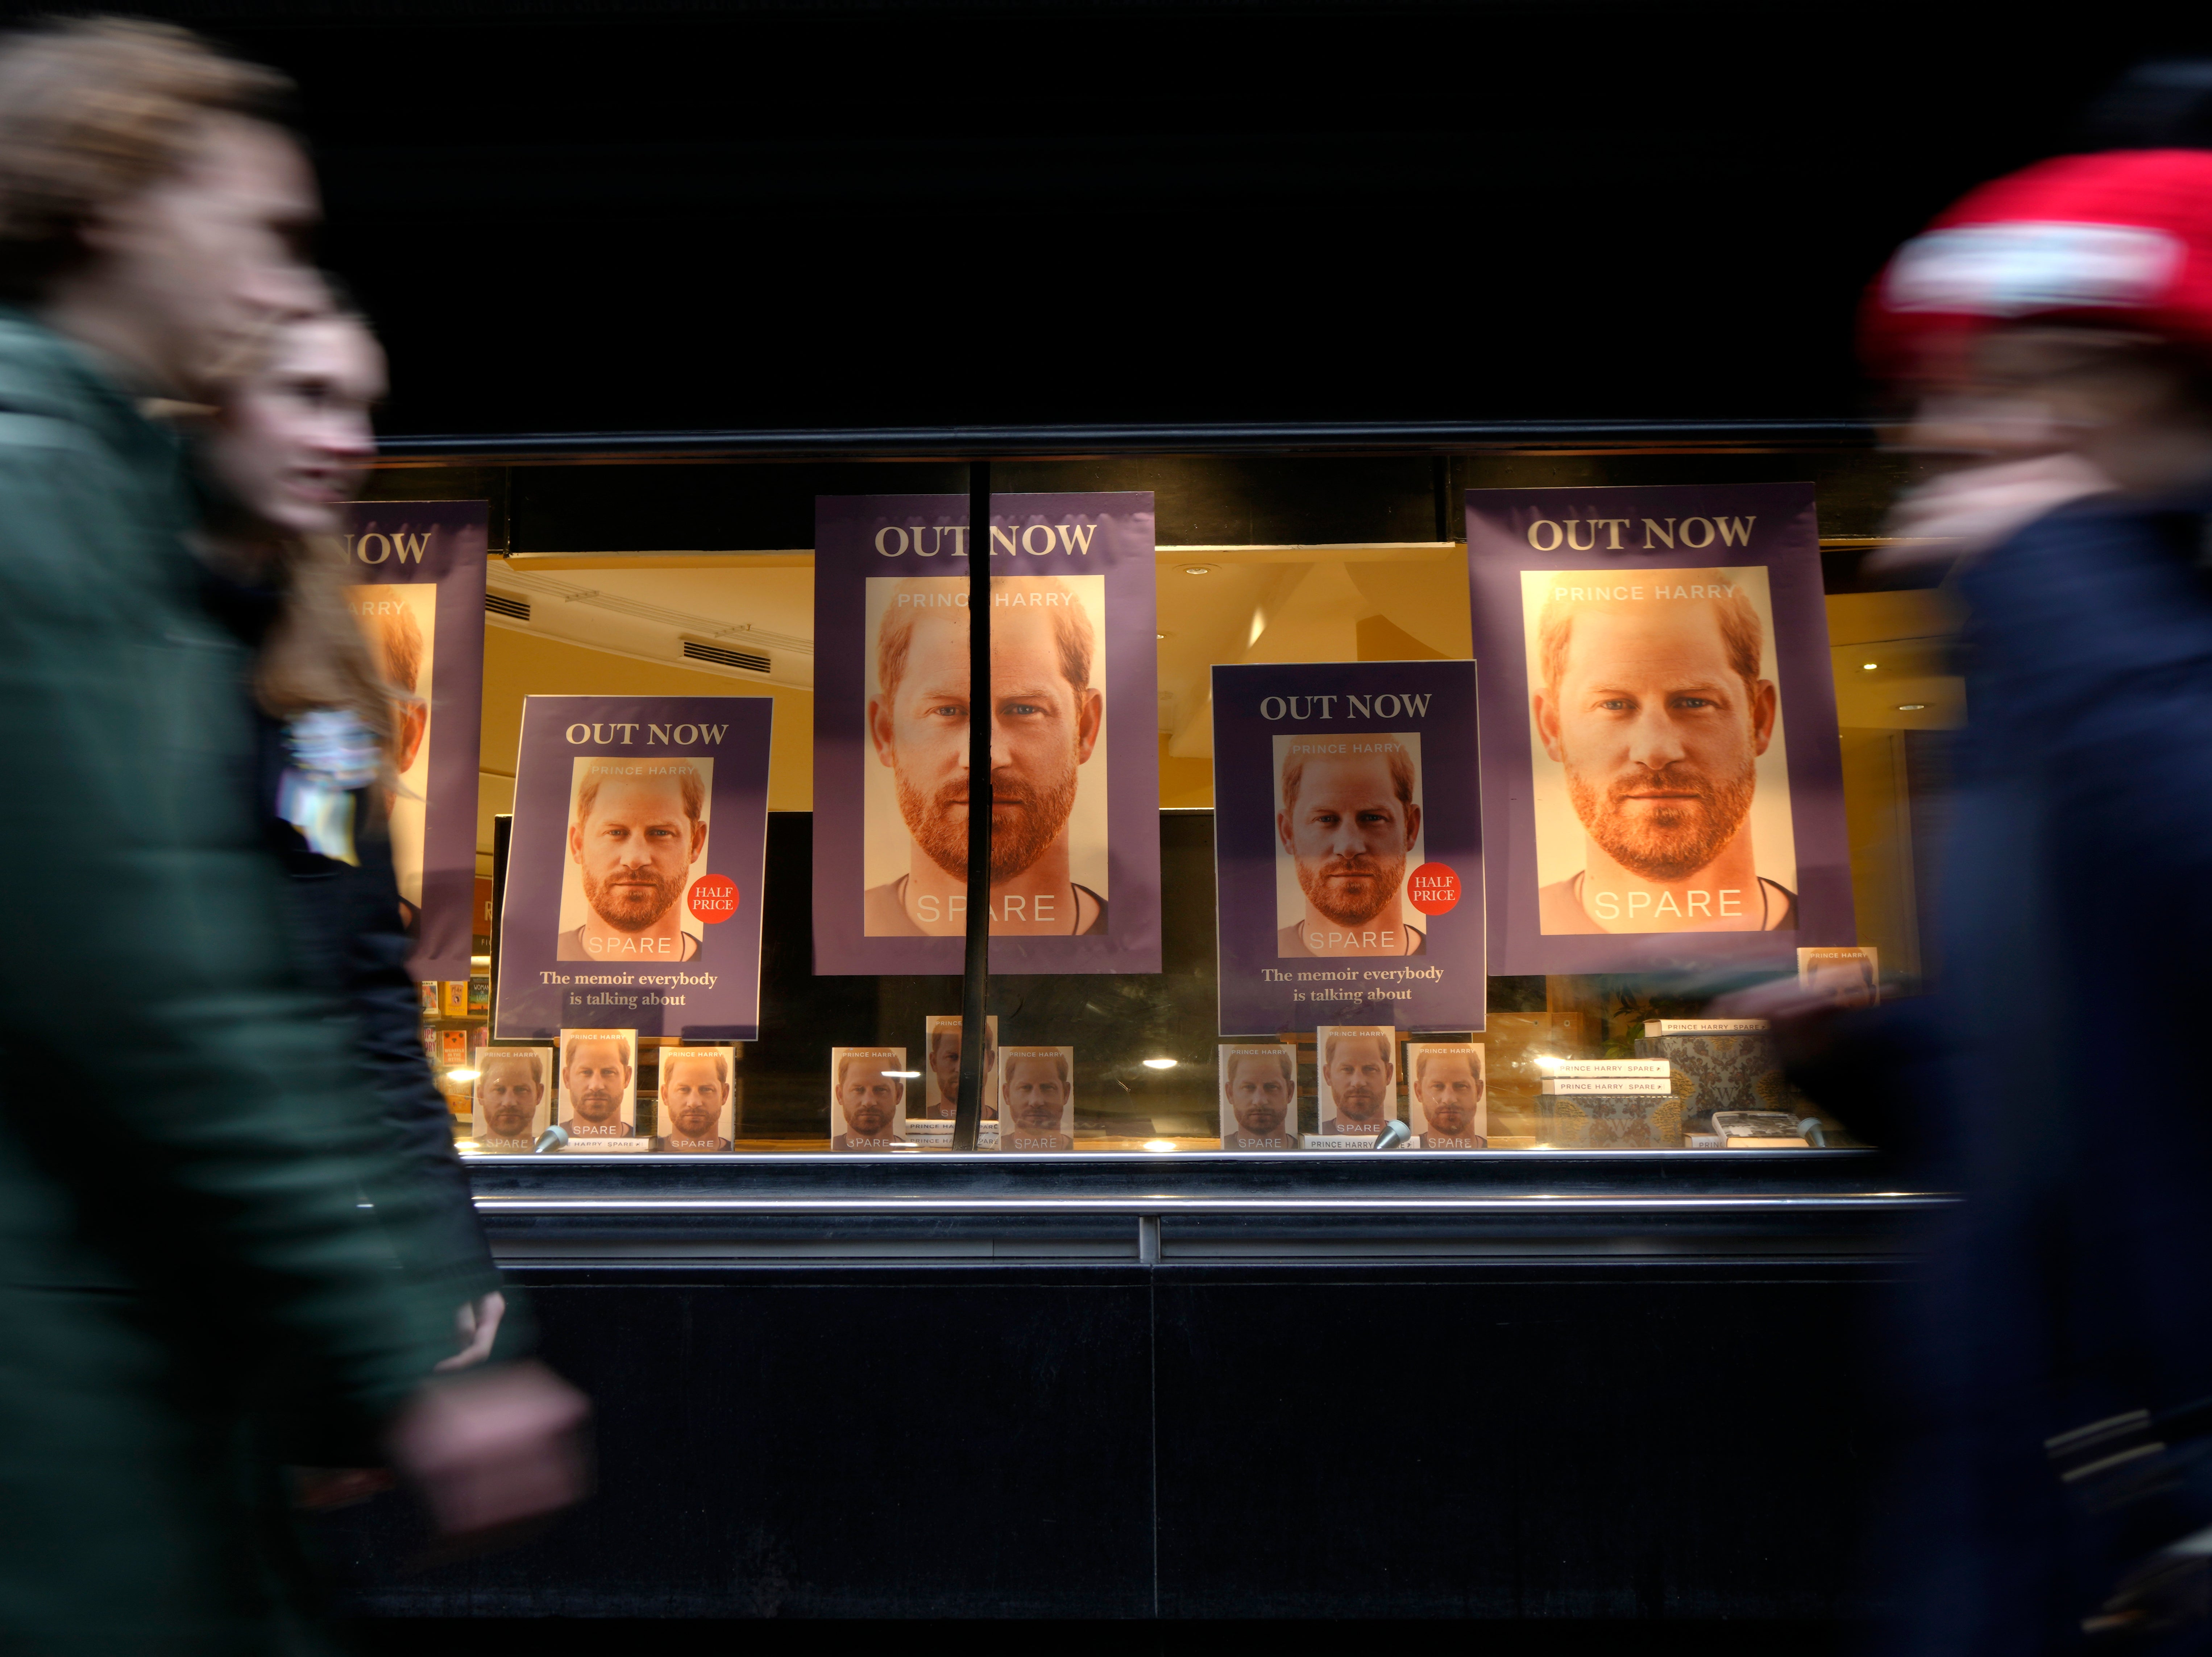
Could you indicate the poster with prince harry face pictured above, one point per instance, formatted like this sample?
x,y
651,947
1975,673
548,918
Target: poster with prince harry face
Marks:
x,y
1074,855
1662,766
1347,845
634,865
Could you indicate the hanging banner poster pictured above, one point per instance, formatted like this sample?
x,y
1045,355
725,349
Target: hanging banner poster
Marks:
x,y
1075,839
1663,776
634,870
419,570
1347,845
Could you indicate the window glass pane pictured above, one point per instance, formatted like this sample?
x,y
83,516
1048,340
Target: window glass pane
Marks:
x,y
662,580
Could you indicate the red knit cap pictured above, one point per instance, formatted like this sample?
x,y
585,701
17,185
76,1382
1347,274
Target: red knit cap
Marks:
x,y
2122,238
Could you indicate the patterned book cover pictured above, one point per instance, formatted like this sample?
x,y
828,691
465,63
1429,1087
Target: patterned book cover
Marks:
x,y
1610,1122
1720,1073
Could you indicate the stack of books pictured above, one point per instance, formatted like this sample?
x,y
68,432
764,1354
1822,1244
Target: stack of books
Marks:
x,y
1719,1063
1610,1104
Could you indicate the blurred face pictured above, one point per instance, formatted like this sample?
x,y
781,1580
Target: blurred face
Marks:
x,y
198,266
1848,982
510,1098
635,850
1659,734
868,1097
1042,729
1449,1091
1360,1073
294,438
1349,833
944,1066
1259,1095
692,1093
1034,1095
597,1077
2030,388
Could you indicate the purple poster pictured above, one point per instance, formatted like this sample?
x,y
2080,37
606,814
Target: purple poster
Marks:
x,y
1075,839
634,874
1663,776
1347,845
421,564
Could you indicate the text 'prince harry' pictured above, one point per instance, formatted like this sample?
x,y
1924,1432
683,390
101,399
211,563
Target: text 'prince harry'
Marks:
x,y
1046,716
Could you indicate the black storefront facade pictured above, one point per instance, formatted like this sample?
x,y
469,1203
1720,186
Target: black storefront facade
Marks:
x,y
1566,1386
1307,274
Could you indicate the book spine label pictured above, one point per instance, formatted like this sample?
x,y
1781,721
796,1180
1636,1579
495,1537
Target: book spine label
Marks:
x,y
1338,1141
1570,1070
1640,1087
1704,1026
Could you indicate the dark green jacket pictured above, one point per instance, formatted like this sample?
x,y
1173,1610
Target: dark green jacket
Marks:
x,y
184,1145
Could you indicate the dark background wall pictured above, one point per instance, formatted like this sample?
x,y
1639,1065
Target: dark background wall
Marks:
x,y
577,216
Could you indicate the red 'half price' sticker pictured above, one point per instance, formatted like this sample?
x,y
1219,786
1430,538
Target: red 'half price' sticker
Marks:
x,y
1433,888
714,898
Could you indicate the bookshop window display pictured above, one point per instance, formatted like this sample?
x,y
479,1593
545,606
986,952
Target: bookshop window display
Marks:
x,y
1300,847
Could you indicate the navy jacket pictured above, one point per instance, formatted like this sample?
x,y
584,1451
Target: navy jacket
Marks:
x,y
2076,1279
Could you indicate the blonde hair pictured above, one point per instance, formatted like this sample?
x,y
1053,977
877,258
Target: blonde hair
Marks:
x,y
1070,626
314,654
1737,615
91,111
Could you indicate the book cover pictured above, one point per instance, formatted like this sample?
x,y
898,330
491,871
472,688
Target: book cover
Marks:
x,y
1849,977
1739,1071
1757,1129
1610,1122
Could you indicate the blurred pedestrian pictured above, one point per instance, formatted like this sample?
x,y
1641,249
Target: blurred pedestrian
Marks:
x,y
2057,327
160,1249
290,442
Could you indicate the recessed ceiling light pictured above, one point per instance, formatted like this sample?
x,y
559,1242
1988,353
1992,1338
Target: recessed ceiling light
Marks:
x,y
1159,1064
1912,707
1198,569
1869,666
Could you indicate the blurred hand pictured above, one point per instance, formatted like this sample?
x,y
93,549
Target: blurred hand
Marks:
x,y
1964,513
1802,1020
1780,1001
477,1323
495,1448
